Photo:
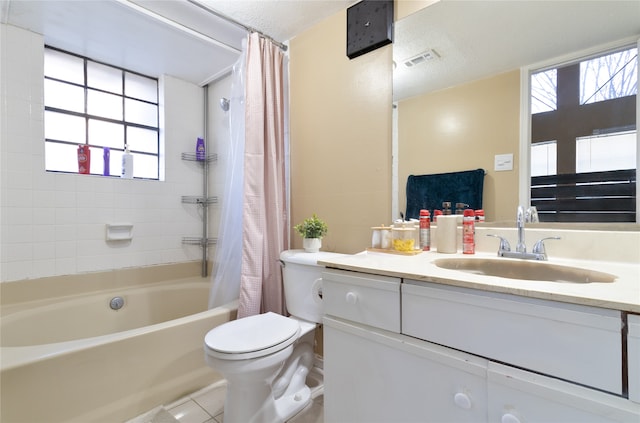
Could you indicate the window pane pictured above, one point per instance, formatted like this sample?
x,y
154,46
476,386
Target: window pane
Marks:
x,y
63,66
544,159
106,134
140,87
145,166
140,139
606,152
63,96
139,112
544,91
63,127
104,77
61,157
607,77
104,105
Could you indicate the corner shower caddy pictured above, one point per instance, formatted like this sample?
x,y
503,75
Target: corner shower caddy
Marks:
x,y
203,201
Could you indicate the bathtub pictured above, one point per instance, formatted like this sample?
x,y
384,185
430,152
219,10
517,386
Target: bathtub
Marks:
x,y
66,355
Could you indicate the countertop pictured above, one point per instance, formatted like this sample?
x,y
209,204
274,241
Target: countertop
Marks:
x,y
621,294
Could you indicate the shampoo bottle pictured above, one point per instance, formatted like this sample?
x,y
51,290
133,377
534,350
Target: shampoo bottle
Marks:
x,y
200,150
106,157
84,159
127,164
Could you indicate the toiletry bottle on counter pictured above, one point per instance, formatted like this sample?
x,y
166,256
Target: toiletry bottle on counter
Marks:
x,y
200,151
127,164
425,230
468,232
84,159
436,213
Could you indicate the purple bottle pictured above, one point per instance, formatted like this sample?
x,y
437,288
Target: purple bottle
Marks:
x,y
106,156
200,153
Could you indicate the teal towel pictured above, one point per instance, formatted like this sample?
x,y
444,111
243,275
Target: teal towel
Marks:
x,y
430,191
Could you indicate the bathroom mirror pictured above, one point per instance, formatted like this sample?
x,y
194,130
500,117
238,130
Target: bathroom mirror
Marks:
x,y
449,44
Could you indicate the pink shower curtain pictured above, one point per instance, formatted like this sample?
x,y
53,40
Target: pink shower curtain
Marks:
x,y
265,225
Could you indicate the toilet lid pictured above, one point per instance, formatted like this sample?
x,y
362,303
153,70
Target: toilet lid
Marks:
x,y
253,333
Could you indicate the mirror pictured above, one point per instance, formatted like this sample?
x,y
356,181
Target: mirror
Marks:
x,y
456,83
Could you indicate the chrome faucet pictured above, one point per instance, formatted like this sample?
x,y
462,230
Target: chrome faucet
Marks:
x,y
521,247
538,252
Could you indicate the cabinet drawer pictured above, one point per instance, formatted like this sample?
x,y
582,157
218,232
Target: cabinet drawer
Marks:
x,y
367,299
520,396
633,356
577,343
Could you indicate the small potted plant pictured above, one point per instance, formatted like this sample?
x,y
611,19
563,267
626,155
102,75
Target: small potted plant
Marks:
x,y
312,230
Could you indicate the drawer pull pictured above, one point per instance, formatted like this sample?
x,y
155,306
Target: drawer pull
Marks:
x,y
351,297
509,418
462,400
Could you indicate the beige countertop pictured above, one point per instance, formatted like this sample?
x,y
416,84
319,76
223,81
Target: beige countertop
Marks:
x,y
621,294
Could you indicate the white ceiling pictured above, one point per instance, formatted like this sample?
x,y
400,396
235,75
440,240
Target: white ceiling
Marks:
x,y
154,37
476,39
182,38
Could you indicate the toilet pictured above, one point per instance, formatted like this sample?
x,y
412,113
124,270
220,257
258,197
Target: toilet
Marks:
x,y
266,358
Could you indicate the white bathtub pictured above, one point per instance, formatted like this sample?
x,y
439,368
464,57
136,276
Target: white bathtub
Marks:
x,y
72,358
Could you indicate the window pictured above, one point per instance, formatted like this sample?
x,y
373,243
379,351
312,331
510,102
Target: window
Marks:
x,y
102,107
588,108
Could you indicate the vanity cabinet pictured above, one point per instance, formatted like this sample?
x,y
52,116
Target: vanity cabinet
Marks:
x,y
458,354
373,375
552,338
633,356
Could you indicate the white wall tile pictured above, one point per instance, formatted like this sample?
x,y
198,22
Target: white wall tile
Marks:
x,y
53,224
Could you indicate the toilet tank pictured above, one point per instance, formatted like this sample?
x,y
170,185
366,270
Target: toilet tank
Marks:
x,y
302,279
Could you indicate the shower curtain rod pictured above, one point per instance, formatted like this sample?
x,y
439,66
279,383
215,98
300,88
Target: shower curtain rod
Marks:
x,y
233,21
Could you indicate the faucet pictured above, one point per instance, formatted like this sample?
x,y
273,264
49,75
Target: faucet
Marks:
x,y
521,247
538,252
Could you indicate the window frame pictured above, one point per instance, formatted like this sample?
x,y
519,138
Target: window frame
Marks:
x,y
87,117
525,111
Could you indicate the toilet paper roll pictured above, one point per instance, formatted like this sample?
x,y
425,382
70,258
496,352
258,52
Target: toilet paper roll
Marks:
x,y
446,234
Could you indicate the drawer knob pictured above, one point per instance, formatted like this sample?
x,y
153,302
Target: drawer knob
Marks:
x,y
351,297
462,400
509,418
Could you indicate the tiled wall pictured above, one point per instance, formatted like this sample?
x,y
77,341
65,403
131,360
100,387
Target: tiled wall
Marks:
x,y
54,224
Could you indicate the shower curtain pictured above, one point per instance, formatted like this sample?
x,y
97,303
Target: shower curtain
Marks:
x,y
254,217
265,217
225,285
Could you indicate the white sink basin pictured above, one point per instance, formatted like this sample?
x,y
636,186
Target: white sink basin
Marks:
x,y
524,269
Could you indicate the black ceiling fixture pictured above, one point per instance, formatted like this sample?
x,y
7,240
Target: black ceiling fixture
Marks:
x,y
369,26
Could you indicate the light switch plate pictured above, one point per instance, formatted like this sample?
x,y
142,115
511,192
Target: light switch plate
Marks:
x,y
503,162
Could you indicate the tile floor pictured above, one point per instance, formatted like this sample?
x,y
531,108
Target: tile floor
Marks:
x,y
206,406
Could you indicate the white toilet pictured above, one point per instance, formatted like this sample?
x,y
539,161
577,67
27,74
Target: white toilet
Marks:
x,y
266,358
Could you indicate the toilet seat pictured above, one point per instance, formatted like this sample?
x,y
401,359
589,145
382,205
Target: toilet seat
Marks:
x,y
251,337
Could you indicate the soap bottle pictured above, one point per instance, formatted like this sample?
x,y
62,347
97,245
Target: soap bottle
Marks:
x,y
84,159
127,164
106,157
200,150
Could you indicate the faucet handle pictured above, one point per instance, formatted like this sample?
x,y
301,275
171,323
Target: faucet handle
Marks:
x,y
538,247
504,244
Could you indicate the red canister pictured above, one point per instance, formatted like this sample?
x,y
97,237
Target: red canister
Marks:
x,y
468,232
84,159
425,230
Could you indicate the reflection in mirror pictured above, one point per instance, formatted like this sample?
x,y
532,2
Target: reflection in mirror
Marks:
x,y
452,54
583,139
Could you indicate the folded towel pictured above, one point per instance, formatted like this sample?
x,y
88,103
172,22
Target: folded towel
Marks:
x,y
430,191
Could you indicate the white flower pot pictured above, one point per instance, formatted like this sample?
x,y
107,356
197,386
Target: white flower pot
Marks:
x,y
312,245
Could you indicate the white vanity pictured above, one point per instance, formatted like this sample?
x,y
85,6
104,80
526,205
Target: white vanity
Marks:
x,y
408,341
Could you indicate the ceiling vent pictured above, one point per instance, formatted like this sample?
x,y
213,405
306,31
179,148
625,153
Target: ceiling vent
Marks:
x,y
421,58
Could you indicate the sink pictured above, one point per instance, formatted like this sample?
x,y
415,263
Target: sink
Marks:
x,y
521,269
